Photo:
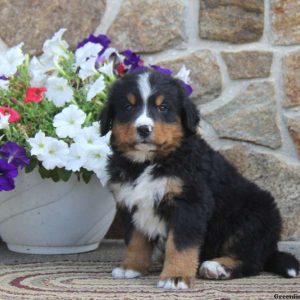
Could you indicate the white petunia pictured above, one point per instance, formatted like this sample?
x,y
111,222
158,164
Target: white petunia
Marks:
x,y
68,122
96,88
87,68
183,74
10,60
38,143
102,174
108,52
87,51
76,158
4,124
4,84
88,137
108,69
37,73
55,154
56,46
58,91
96,126
49,63
96,158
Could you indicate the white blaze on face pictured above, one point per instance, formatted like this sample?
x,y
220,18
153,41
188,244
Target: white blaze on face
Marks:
x,y
145,92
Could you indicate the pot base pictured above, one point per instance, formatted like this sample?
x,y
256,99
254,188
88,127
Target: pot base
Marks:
x,y
52,250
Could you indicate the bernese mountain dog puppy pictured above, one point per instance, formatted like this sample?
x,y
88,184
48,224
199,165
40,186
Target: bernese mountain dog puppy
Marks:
x,y
176,193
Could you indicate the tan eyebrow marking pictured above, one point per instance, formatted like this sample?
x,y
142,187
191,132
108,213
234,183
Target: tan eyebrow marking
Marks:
x,y
159,100
131,98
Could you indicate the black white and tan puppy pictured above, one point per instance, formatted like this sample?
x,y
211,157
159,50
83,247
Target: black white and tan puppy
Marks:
x,y
173,189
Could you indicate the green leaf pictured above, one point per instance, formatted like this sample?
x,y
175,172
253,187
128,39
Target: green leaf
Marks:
x,y
86,175
33,163
64,174
44,172
54,175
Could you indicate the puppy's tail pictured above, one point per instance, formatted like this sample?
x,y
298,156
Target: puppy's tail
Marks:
x,y
282,263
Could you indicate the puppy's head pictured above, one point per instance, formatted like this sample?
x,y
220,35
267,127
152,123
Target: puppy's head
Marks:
x,y
149,114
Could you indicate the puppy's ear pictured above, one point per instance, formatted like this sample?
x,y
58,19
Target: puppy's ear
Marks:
x,y
106,118
190,115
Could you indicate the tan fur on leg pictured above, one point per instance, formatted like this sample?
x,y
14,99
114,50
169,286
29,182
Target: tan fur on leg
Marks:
x,y
228,262
138,253
180,264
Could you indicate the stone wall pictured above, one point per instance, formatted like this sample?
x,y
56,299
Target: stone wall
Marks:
x,y
244,58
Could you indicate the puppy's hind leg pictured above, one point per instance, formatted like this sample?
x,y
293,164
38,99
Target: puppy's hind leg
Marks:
x,y
220,268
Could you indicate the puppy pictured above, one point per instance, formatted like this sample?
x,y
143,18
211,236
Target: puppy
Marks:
x,y
174,190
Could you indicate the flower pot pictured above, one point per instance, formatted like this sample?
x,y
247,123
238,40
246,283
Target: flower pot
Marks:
x,y
43,217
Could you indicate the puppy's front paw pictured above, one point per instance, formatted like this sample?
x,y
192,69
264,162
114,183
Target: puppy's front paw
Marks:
x,y
176,283
124,273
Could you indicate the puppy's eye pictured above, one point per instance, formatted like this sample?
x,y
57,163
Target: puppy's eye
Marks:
x,y
129,107
163,108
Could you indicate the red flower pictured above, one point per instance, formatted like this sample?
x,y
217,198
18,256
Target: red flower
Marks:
x,y
120,69
13,115
34,94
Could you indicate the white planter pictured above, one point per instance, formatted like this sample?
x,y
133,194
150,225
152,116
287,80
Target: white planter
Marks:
x,y
43,217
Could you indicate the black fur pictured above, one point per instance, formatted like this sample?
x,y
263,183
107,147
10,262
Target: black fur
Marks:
x,y
218,206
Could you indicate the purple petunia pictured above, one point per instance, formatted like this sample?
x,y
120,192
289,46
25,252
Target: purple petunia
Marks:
x,y
7,174
14,154
101,39
3,78
161,69
188,88
132,60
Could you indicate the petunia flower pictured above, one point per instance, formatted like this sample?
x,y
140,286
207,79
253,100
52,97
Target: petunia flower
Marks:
x,y
183,74
10,60
14,154
4,124
37,72
56,46
121,69
76,157
13,114
96,88
7,174
38,143
55,154
161,69
96,157
88,137
105,54
132,60
101,39
87,51
4,84
34,94
68,122
58,91
188,89
108,69
87,68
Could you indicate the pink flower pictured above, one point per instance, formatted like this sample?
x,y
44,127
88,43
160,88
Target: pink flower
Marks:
x,y
34,94
14,116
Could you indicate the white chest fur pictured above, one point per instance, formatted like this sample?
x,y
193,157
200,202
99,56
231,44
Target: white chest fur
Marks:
x,y
144,193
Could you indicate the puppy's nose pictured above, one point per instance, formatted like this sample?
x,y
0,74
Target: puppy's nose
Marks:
x,y
144,131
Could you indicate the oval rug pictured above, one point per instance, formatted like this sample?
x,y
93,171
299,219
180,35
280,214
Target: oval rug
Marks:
x,y
92,280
